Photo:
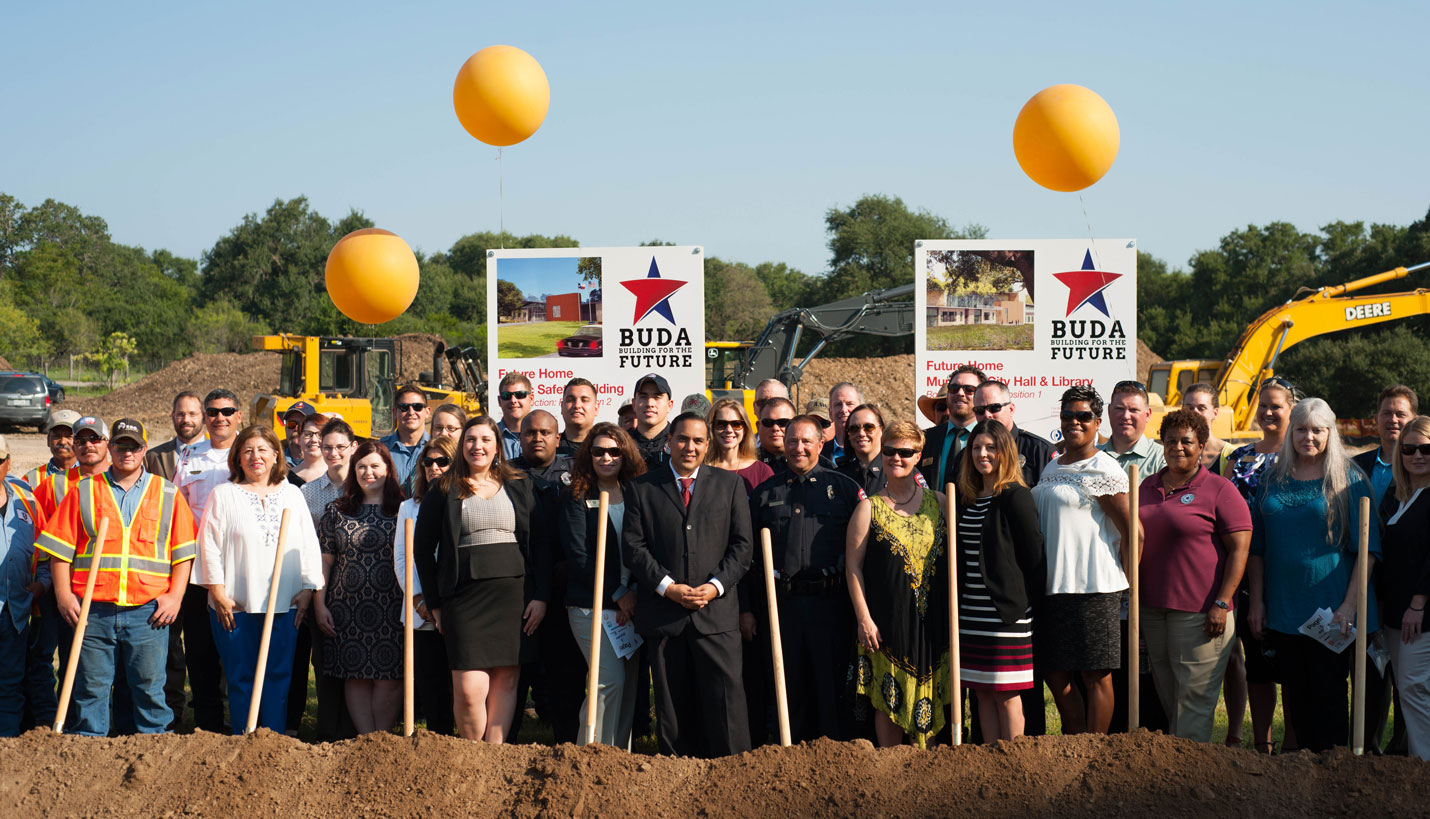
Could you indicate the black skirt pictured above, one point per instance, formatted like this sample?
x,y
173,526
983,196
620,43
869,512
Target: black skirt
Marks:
x,y
1079,632
481,622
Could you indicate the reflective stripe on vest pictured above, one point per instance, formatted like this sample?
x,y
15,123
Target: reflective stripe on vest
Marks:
x,y
125,563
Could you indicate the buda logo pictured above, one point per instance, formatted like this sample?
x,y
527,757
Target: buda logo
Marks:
x,y
1085,286
653,294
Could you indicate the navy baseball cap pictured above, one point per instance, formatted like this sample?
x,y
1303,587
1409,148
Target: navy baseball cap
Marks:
x,y
653,378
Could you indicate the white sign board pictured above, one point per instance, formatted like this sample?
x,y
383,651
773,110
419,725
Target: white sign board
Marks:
x,y
606,314
1039,315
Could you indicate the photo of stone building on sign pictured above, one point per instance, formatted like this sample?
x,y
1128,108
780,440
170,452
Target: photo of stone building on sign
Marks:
x,y
980,300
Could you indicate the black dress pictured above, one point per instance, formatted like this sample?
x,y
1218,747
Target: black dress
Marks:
x,y
362,594
481,620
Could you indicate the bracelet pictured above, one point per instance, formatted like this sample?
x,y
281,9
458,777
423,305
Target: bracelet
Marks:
x,y
1412,608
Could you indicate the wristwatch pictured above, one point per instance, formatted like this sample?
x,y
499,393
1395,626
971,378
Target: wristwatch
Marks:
x,y
1222,604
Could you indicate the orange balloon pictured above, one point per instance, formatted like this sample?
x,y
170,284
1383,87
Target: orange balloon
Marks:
x,y
372,275
501,95
1066,137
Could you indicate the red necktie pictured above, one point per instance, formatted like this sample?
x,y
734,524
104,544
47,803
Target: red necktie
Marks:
x,y
685,484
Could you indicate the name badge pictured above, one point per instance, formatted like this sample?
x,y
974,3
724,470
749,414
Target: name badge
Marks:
x,y
593,504
1188,498
926,461
775,503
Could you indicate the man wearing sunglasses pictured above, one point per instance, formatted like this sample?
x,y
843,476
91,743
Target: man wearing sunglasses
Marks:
x,y
203,469
807,507
774,419
946,440
993,402
410,414
1128,412
514,396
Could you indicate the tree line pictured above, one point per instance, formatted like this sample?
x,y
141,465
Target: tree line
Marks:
x,y
66,286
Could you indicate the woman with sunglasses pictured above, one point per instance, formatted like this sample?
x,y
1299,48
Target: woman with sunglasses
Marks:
x,y
447,422
483,553
310,439
1303,558
1082,511
863,440
894,565
433,676
732,447
1403,581
1251,675
1000,548
607,461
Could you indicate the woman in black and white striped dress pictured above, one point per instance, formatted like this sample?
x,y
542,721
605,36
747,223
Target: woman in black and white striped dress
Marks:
x,y
1000,579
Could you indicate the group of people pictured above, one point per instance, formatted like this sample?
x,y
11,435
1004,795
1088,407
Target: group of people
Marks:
x,y
1237,548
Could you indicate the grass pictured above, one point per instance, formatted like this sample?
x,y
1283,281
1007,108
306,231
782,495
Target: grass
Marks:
x,y
981,337
531,340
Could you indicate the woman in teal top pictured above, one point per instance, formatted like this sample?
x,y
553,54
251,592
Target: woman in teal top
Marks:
x,y
1306,517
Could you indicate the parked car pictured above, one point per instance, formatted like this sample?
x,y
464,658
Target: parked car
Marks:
x,y
24,399
586,342
56,390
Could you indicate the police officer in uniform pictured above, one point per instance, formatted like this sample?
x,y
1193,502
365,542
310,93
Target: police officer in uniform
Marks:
x,y
807,507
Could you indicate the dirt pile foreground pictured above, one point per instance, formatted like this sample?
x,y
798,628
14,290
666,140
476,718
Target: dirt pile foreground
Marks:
x,y
42,774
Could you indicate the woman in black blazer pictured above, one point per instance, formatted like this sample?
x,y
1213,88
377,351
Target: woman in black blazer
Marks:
x,y
1000,580
483,554
606,462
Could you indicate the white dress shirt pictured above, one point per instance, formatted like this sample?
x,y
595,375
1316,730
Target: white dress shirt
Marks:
x,y
201,472
667,580
237,543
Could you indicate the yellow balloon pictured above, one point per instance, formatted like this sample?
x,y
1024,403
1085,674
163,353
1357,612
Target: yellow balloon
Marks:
x,y
501,95
372,275
1066,137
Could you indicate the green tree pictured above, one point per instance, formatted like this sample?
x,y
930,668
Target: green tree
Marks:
x,y
737,307
220,327
509,298
113,355
871,243
786,286
468,260
20,336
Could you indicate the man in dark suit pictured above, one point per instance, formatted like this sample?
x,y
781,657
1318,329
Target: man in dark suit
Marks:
x,y
946,440
1398,406
687,542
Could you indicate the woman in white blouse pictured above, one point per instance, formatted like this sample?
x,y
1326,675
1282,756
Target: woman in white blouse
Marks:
x,y
432,673
237,544
1082,510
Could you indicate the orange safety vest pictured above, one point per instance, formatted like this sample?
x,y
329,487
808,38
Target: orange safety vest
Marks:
x,y
51,489
136,559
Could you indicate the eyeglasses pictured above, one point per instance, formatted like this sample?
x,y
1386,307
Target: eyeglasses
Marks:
x,y
510,394
1414,449
606,452
126,446
336,449
991,409
771,423
88,441
726,423
312,436
823,424
966,389
441,460
214,412
1081,416
415,406
866,428
903,452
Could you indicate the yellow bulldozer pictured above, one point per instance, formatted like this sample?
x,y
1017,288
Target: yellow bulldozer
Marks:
x,y
356,378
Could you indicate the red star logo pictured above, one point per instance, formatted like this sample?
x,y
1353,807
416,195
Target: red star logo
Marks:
x,y
1085,286
652,293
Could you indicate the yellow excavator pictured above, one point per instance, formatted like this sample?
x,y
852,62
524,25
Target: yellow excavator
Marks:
x,y
356,377
1253,359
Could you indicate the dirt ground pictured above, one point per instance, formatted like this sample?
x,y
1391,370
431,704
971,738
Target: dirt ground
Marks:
x,y
381,775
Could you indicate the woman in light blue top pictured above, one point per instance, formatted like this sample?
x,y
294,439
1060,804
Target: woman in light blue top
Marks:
x,y
1306,518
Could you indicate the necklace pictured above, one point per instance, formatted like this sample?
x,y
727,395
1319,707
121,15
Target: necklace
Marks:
x,y
908,499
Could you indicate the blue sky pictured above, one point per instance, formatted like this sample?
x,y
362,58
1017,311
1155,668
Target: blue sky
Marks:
x,y
534,277
733,126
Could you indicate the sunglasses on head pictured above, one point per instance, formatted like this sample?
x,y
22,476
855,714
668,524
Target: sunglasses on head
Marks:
x,y
414,406
1414,449
1135,385
992,409
903,452
966,389
510,394
605,451
1278,381
771,423
1081,416
214,412
726,423
868,428
441,460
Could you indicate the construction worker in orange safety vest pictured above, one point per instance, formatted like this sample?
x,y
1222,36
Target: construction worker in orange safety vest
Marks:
x,y
143,572
19,587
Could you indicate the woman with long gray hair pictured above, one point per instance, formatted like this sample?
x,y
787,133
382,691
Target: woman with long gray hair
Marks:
x,y
1303,558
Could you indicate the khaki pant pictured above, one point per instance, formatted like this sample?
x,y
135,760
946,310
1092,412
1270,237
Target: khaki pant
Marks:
x,y
1411,664
615,686
1187,666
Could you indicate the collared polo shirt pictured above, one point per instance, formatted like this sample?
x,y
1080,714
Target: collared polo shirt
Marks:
x,y
1183,558
1146,453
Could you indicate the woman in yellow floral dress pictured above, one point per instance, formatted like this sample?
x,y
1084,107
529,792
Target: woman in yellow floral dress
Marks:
x,y
899,585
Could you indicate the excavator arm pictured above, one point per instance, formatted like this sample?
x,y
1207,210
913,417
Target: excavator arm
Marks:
x,y
1327,310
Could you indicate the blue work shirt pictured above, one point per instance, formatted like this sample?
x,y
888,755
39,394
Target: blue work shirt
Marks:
x,y
17,557
128,499
1380,478
404,457
510,441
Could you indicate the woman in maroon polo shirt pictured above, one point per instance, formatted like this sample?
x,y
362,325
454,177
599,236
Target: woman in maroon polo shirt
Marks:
x,y
1198,534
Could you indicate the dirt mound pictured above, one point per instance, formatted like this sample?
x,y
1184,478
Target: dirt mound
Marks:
x,y
5,364
414,355
1145,359
42,774
148,399
887,381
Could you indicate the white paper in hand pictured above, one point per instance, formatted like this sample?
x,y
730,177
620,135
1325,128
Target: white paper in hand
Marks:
x,y
1319,628
623,637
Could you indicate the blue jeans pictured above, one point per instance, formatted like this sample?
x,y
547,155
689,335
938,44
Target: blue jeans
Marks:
x,y
13,645
121,636
41,694
239,650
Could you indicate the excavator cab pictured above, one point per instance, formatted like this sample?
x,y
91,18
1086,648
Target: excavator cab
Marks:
x,y
351,377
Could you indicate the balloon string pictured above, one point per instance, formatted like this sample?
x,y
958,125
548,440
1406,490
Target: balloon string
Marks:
x,y
1090,237
501,203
